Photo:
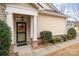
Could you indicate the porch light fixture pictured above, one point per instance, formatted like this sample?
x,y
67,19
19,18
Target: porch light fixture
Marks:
x,y
22,18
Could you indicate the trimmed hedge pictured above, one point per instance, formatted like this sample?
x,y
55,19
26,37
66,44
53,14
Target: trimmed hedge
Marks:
x,y
60,38
56,39
72,33
69,37
5,39
64,37
46,36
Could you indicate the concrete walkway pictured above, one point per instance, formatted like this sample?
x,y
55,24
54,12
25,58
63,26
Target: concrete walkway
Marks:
x,y
29,51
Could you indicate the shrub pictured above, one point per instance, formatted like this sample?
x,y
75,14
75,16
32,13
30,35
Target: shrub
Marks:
x,y
55,40
52,41
5,39
69,37
64,37
72,32
46,36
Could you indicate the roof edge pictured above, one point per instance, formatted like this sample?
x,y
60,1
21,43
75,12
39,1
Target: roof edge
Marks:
x,y
53,13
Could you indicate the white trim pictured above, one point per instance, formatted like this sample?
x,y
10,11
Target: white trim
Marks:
x,y
35,29
10,9
31,27
52,13
53,7
21,7
10,24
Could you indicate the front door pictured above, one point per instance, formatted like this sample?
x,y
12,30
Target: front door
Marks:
x,y
21,32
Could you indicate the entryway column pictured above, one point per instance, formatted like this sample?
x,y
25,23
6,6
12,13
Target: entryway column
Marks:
x,y
31,27
10,24
35,29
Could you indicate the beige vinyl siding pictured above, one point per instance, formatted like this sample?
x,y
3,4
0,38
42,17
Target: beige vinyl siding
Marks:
x,y
2,14
51,23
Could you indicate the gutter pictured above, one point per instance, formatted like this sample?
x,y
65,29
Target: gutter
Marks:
x,y
54,7
52,13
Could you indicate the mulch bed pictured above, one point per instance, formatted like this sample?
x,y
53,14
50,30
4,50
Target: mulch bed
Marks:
x,y
42,45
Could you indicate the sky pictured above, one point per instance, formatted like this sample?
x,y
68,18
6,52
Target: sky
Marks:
x,y
69,9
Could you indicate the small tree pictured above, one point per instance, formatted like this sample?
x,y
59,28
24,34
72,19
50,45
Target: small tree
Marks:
x,y
72,32
5,39
46,36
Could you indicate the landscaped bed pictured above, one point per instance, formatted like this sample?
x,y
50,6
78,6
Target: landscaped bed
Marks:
x,y
46,38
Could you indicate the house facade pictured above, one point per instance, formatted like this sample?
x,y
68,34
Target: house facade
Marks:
x,y
27,20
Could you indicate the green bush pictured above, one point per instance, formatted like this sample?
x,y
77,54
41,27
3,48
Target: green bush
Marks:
x,y
5,39
52,41
69,37
55,40
72,32
64,37
46,36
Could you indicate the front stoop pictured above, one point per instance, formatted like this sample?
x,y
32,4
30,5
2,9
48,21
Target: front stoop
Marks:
x,y
25,50
29,51
13,50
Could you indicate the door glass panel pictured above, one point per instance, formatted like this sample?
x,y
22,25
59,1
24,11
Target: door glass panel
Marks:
x,y
21,37
21,27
